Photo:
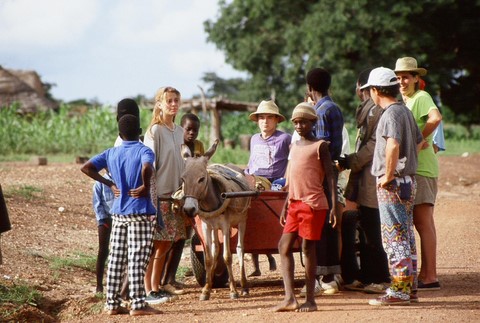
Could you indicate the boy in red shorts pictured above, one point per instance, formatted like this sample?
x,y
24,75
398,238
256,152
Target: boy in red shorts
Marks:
x,y
309,164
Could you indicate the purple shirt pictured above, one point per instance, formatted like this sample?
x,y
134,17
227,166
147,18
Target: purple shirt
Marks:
x,y
269,157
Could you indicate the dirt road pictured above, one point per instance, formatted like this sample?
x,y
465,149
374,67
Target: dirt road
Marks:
x,y
42,233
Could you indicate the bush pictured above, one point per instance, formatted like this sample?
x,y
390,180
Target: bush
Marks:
x,y
88,131
67,131
235,156
236,123
475,132
455,132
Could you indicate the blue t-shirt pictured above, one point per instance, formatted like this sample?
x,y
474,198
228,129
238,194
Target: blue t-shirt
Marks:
x,y
125,165
329,126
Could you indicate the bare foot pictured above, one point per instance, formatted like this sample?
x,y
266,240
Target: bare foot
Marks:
x,y
307,307
286,306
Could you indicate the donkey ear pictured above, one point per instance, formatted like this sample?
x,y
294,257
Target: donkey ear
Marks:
x,y
185,151
209,153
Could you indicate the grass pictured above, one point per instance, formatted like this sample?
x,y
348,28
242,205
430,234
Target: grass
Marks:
x,y
181,271
222,156
19,294
98,307
28,192
235,156
51,158
15,297
79,260
459,147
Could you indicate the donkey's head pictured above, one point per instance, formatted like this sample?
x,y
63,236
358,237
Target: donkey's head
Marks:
x,y
195,179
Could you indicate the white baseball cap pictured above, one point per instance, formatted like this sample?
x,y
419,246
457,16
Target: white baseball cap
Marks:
x,y
381,76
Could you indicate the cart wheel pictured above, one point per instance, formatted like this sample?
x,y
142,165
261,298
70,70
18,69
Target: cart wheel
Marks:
x,y
198,262
220,279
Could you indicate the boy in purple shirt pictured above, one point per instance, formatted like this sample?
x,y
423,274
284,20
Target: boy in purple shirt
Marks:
x,y
269,151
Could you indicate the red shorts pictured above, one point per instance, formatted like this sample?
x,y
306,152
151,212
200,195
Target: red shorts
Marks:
x,y
302,219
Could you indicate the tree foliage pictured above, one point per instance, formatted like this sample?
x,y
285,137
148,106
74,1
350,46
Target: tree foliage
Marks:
x,y
233,89
277,41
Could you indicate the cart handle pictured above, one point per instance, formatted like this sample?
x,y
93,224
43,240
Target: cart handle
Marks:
x,y
279,194
228,195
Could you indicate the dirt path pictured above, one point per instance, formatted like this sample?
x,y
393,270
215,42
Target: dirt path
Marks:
x,y
41,233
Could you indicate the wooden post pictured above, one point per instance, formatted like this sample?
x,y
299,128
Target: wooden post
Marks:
x,y
39,160
245,141
204,109
215,130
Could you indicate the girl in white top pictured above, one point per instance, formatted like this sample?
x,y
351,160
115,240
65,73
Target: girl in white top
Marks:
x,y
165,138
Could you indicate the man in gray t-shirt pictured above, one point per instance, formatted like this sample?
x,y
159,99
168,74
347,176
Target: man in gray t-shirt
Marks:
x,y
397,123
394,164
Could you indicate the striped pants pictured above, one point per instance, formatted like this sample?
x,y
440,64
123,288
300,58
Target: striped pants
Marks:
x,y
398,237
130,245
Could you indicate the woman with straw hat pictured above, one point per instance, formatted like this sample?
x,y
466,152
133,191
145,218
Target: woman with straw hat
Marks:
x,y
428,118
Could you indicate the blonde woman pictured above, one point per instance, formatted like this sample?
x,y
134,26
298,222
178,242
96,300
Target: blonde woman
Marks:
x,y
165,138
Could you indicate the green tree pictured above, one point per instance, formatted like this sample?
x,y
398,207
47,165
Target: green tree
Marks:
x,y
226,88
277,41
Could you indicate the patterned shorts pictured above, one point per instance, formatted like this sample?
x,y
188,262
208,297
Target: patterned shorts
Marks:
x,y
174,223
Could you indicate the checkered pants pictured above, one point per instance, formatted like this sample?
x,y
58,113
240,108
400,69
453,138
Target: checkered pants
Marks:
x,y
130,244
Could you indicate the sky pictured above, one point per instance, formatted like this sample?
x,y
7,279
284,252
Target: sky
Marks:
x,y
106,50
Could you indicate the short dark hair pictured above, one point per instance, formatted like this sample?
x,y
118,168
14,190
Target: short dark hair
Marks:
x,y
129,127
391,91
363,76
127,106
189,116
319,79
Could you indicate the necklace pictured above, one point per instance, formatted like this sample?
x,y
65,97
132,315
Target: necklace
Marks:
x,y
172,129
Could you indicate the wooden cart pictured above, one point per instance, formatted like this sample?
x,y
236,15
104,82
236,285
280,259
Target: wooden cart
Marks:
x,y
262,234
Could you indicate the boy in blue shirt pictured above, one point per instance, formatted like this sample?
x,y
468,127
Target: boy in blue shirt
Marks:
x,y
131,168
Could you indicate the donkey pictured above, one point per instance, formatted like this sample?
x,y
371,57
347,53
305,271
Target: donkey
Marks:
x,y
202,187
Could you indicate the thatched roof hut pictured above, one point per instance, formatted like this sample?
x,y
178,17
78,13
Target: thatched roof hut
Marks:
x,y
24,88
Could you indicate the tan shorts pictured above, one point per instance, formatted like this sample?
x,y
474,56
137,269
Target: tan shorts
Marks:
x,y
426,190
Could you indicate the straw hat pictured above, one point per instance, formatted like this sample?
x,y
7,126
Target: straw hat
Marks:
x,y
304,110
266,107
409,64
